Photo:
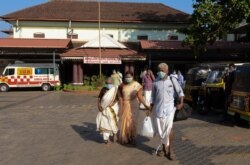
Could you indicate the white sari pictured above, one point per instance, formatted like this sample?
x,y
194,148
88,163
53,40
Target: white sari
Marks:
x,y
107,120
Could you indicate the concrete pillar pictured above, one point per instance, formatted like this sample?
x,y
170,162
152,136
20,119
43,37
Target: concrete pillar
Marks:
x,y
80,73
75,72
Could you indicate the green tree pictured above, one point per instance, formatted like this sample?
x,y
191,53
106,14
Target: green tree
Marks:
x,y
213,19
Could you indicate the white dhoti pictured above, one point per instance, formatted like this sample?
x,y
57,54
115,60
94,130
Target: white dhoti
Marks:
x,y
107,120
164,126
147,97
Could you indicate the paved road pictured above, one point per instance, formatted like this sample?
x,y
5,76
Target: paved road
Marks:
x,y
58,128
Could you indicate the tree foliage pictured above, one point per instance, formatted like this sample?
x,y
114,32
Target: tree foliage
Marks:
x,y
215,18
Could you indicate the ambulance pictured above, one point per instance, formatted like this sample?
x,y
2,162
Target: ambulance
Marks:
x,y
44,75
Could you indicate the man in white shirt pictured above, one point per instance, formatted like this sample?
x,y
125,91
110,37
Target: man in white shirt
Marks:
x,y
163,108
180,79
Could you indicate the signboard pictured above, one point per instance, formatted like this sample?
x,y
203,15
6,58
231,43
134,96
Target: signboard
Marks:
x,y
97,60
24,71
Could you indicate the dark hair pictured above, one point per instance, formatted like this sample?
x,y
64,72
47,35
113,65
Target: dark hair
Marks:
x,y
128,72
231,64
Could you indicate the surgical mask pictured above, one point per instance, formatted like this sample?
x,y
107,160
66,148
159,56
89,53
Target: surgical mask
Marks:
x,y
128,80
109,86
161,74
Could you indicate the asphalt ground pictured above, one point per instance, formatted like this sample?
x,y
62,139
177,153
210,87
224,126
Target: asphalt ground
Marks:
x,y
58,128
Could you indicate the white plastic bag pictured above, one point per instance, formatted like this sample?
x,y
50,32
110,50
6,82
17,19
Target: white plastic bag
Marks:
x,y
147,128
142,106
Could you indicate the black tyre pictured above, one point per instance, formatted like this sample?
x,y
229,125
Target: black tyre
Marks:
x,y
46,87
202,109
4,87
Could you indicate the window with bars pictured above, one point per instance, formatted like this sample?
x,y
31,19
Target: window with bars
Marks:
x,y
39,35
173,37
72,36
142,37
111,35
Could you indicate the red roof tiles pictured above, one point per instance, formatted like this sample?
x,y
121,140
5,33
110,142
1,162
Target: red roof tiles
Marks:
x,y
34,43
163,45
178,45
105,53
110,12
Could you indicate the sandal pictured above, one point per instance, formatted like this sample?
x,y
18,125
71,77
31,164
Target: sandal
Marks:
x,y
161,153
171,156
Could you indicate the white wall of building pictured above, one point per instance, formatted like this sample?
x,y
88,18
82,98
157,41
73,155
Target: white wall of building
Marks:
x,y
50,33
86,32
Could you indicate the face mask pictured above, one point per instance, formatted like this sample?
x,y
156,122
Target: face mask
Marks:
x,y
109,86
128,80
161,74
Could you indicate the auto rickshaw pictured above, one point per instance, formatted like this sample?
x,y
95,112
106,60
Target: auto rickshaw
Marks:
x,y
240,94
194,78
212,92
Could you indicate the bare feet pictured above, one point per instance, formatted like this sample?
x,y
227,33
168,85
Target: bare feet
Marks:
x,y
106,141
171,156
162,151
115,138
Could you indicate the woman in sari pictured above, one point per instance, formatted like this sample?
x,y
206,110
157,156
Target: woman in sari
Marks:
x,y
131,92
107,118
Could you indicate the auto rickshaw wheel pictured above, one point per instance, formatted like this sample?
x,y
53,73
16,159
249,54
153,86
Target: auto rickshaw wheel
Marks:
x,y
202,109
237,117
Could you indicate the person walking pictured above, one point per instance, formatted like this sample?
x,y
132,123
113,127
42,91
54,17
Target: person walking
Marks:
x,y
107,117
180,79
147,82
163,109
131,92
116,78
173,74
143,72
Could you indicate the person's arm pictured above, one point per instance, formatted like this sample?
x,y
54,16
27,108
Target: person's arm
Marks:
x,y
141,99
120,101
152,75
99,99
179,92
143,81
152,101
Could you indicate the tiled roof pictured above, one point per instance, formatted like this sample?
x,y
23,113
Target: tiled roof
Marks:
x,y
110,12
105,53
163,45
178,45
230,46
35,43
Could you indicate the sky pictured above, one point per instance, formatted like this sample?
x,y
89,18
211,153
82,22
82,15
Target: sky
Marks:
x,y
9,6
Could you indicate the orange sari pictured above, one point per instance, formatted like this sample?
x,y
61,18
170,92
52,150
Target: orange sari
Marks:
x,y
129,114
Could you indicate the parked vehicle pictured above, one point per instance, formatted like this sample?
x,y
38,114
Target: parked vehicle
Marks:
x,y
240,96
194,78
212,92
29,75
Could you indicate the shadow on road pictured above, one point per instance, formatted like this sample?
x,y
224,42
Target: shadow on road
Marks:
x,y
140,144
87,131
216,117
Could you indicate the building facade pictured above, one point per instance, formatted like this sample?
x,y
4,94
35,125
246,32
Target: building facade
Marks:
x,y
81,23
